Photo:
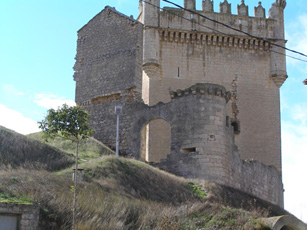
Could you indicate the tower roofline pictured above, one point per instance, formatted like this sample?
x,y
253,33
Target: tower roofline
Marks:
x,y
111,9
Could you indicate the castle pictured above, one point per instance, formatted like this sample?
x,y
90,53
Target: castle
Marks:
x,y
199,99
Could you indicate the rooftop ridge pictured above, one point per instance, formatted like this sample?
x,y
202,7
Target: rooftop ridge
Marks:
x,y
112,9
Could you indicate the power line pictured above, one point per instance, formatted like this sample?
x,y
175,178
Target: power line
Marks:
x,y
215,30
298,59
232,28
187,19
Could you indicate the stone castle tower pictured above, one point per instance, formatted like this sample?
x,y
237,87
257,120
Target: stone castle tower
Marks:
x,y
199,99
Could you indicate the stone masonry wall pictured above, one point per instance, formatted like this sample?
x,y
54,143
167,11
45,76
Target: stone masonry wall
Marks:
x,y
119,61
251,177
202,144
109,57
191,51
258,96
28,215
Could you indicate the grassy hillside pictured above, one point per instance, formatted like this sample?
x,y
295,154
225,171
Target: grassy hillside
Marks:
x,y
120,193
88,149
18,150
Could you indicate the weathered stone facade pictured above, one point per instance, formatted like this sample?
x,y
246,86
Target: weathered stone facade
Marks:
x,y
198,103
24,217
109,50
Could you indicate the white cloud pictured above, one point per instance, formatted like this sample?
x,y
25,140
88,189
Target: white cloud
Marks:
x,y
51,101
14,120
299,113
294,146
11,90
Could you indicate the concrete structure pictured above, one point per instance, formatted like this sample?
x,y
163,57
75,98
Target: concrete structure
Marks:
x,y
286,222
18,216
199,99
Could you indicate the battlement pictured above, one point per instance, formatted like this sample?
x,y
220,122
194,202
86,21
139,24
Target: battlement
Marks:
x,y
202,89
259,24
225,7
242,9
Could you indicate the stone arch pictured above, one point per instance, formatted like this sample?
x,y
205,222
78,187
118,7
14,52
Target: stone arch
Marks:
x,y
155,140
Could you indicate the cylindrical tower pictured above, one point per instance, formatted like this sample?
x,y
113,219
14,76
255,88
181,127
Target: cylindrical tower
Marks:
x,y
201,133
151,46
278,62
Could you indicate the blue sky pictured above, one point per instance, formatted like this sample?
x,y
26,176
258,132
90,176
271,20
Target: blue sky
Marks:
x,y
37,50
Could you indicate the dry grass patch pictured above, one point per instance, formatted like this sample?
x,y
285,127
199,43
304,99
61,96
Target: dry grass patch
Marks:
x,y
18,150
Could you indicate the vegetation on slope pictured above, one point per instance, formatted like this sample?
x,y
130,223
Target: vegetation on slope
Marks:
x,y
89,148
119,193
18,150
102,203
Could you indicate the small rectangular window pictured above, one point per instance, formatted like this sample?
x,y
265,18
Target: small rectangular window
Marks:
x,y
189,150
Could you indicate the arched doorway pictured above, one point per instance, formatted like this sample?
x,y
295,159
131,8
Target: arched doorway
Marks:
x,y
155,140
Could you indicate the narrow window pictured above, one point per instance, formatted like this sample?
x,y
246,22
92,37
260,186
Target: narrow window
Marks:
x,y
189,150
227,121
178,72
236,127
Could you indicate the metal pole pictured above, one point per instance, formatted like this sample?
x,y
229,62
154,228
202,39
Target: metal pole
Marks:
x,y
118,110
117,135
75,189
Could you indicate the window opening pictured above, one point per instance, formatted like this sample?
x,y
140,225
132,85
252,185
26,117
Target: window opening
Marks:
x,y
189,150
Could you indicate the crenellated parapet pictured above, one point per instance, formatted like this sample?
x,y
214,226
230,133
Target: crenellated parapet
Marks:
x,y
202,89
225,7
207,6
242,9
259,11
257,24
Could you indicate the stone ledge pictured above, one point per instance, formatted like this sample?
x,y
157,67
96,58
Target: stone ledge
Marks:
x,y
202,89
213,39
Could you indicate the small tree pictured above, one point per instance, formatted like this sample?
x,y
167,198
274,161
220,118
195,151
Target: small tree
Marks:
x,y
70,123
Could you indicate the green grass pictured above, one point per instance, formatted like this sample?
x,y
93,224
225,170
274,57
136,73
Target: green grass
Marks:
x,y
198,191
6,198
88,149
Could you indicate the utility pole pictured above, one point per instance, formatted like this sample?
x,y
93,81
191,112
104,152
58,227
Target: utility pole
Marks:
x,y
118,111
